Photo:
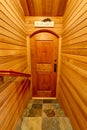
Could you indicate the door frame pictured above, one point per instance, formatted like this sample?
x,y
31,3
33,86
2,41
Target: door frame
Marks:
x,y
59,56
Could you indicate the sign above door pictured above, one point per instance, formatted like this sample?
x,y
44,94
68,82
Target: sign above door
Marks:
x,y
44,24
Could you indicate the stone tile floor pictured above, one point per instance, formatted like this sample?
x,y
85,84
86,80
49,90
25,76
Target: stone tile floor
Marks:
x,y
44,114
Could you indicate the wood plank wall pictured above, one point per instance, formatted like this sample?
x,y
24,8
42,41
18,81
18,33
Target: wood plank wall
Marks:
x,y
73,77
13,99
13,56
13,38
31,29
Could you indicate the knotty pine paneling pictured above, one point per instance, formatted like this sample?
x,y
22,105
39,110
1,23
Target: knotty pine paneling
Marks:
x,y
30,29
73,75
14,94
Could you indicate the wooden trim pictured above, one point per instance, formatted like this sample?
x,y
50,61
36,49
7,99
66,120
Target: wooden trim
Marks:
x,y
28,53
58,65
44,30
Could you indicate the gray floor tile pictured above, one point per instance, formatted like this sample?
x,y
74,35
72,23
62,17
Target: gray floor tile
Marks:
x,y
47,101
50,123
38,101
35,112
44,114
65,123
37,106
31,123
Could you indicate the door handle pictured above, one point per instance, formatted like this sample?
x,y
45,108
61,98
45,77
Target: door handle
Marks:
x,y
55,66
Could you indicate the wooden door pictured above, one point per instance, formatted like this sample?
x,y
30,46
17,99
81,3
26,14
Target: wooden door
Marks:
x,y
44,51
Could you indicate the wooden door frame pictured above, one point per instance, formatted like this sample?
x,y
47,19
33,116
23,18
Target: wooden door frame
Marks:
x,y
59,55
44,30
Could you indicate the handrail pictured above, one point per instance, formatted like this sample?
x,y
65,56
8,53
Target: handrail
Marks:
x,y
13,73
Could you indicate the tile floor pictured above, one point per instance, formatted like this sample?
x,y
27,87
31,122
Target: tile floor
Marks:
x,y
44,114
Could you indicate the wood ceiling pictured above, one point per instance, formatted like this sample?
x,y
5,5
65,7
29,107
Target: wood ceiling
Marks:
x,y
43,7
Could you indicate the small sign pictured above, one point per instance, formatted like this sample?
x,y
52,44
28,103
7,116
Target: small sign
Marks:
x,y
44,24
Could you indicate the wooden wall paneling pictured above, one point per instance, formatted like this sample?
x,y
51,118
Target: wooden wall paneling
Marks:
x,y
11,52
18,12
9,40
9,13
12,35
14,95
77,68
13,63
11,22
76,57
20,103
17,5
73,75
64,103
78,27
72,11
5,59
76,34
21,67
11,46
21,108
79,84
31,19
13,103
9,99
8,26
74,108
12,31
80,94
31,29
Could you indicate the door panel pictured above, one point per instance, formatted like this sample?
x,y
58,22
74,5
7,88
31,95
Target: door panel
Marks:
x,y
44,50
44,82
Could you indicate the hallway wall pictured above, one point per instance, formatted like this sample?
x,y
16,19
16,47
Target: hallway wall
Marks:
x,y
30,29
73,77
13,38
13,56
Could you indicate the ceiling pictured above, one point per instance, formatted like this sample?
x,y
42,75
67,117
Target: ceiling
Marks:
x,y
44,7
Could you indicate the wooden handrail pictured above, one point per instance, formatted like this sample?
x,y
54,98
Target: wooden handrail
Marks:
x,y
13,73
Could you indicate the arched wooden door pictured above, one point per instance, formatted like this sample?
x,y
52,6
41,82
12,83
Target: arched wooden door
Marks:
x,y
44,53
